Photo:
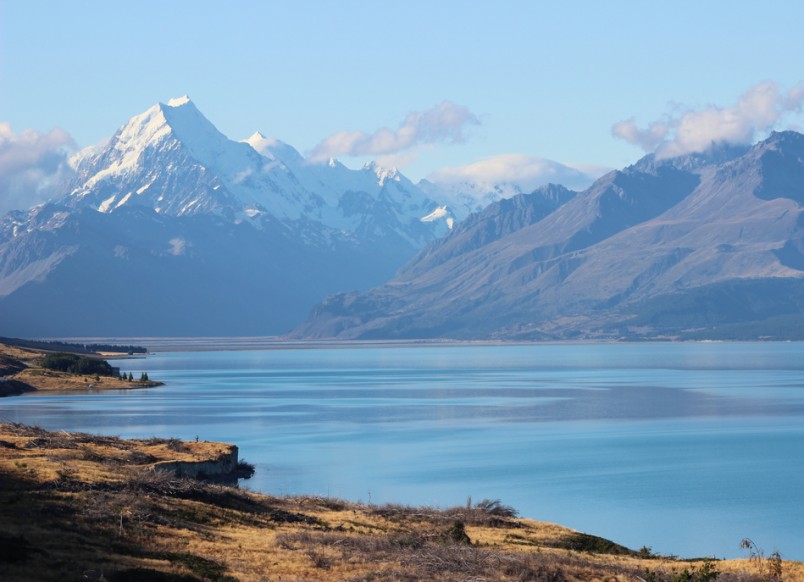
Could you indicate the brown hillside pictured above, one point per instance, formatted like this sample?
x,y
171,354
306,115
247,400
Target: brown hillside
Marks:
x,y
20,372
77,506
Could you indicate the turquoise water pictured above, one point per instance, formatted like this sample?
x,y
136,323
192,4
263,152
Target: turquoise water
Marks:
x,y
685,448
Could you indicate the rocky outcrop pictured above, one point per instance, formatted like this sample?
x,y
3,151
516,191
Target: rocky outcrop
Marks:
x,y
10,387
222,465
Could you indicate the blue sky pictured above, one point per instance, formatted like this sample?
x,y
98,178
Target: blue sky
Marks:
x,y
542,79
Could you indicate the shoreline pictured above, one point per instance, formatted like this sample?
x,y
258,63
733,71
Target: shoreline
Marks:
x,y
259,343
82,390
119,513
21,373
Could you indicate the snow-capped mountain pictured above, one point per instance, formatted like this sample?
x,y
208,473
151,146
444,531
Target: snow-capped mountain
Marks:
x,y
703,245
467,196
172,159
173,228
472,188
352,197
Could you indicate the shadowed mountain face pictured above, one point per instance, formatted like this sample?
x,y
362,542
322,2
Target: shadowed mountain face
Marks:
x,y
705,245
173,229
150,275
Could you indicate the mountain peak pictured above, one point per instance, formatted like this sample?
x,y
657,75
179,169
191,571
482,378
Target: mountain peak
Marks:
x,y
383,174
704,243
717,153
178,117
260,142
274,149
122,152
782,139
126,169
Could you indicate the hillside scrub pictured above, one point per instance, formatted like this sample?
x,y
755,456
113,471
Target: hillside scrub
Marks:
x,y
89,507
73,364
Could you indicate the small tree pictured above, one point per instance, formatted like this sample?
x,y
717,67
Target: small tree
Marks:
x,y
144,377
130,377
770,567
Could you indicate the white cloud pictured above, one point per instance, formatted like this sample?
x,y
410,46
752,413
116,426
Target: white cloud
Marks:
x,y
757,111
647,139
33,165
399,160
243,175
528,172
446,122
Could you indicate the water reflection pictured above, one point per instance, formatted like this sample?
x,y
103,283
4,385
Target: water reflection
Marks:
x,y
612,439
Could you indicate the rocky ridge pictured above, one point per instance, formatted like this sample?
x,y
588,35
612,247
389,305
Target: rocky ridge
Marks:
x,y
705,245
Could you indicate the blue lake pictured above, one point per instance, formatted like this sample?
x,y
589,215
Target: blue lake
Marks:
x,y
685,448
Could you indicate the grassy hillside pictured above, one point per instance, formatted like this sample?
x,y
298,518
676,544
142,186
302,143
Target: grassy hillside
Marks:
x,y
25,369
77,506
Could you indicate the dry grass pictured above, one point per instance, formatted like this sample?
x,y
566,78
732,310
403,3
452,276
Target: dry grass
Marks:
x,y
77,506
49,380
87,458
23,373
21,354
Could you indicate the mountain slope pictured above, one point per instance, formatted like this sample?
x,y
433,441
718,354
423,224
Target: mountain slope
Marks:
x,y
172,159
152,275
602,262
173,229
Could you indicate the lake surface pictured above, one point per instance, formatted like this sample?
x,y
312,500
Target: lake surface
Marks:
x,y
685,448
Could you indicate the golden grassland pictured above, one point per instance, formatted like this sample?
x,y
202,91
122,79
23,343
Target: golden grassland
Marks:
x,y
77,506
21,372
87,507
51,380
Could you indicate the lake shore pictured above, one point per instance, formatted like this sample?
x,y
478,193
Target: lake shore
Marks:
x,y
212,343
120,517
268,465
21,372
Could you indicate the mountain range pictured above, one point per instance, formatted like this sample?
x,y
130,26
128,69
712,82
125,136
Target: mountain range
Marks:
x,y
171,228
705,245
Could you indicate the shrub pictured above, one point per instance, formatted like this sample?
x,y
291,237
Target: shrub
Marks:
x,y
770,567
496,508
245,470
457,533
73,364
582,542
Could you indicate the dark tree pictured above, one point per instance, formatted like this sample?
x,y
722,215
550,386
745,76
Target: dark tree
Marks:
x,y
73,364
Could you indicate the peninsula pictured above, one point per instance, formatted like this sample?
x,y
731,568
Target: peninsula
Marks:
x,y
77,505
27,369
